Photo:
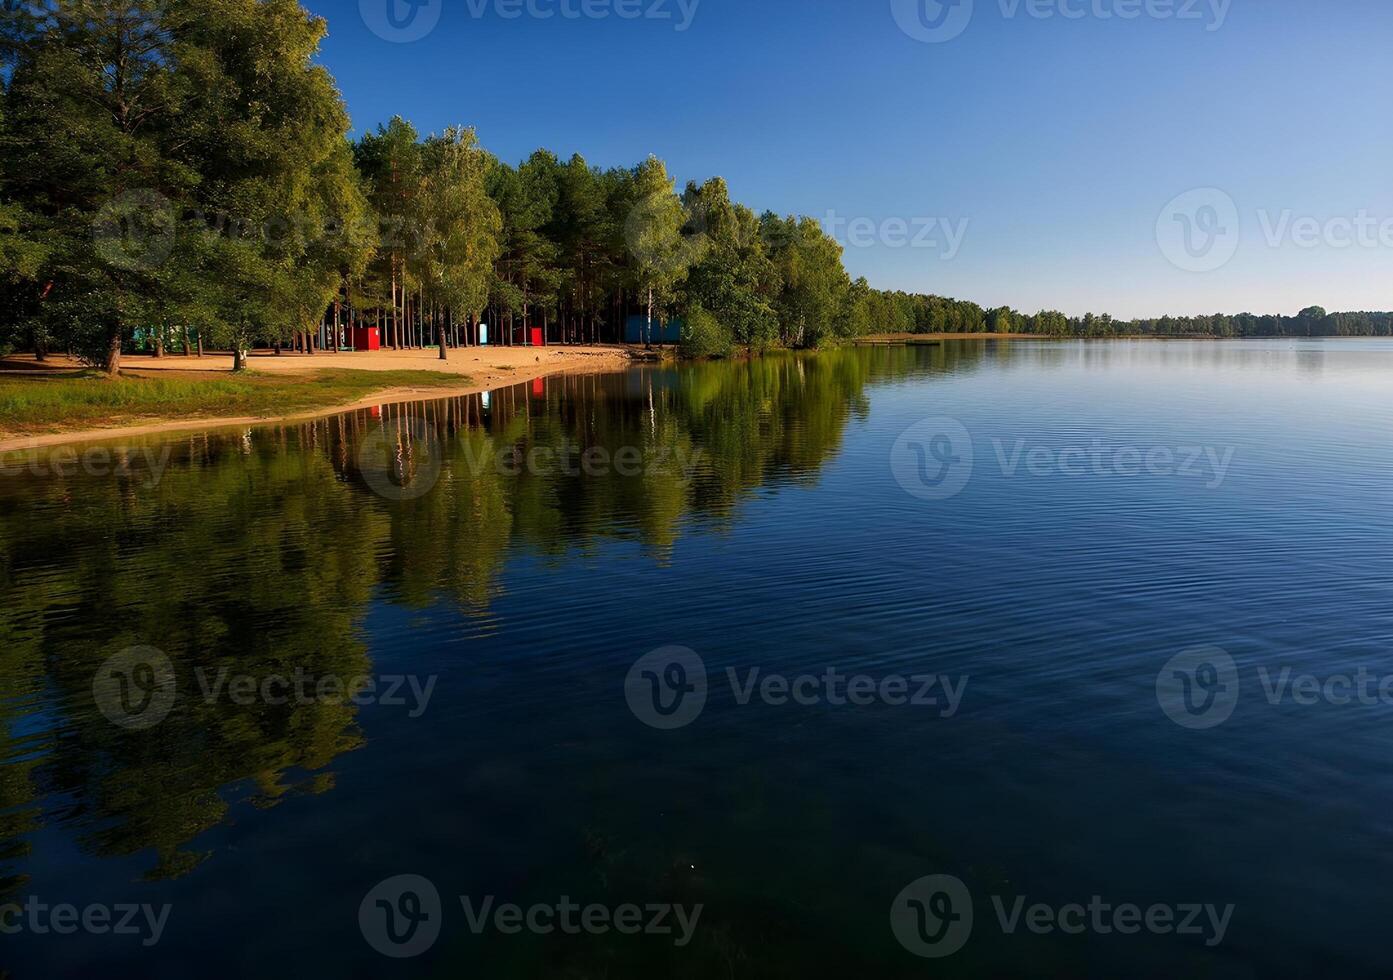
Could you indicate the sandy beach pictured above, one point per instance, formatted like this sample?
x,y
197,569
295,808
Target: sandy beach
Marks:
x,y
479,369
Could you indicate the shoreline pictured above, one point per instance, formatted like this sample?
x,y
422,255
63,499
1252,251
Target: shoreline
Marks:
x,y
500,367
495,375
911,339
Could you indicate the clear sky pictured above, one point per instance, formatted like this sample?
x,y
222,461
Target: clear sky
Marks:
x,y
1059,131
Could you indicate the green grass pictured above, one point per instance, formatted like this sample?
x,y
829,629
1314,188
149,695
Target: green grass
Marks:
x,y
33,405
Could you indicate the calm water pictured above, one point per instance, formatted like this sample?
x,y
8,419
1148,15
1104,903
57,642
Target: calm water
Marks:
x,y
1074,517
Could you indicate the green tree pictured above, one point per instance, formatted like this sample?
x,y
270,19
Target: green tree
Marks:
x,y
338,242
653,229
390,161
460,228
264,131
91,105
583,228
733,279
815,285
528,276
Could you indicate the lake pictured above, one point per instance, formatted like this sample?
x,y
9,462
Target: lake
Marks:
x,y
991,658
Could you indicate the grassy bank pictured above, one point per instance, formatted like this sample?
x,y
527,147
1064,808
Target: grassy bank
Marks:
x,y
38,405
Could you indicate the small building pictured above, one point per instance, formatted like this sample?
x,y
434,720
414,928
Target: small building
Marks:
x,y
367,338
538,338
663,333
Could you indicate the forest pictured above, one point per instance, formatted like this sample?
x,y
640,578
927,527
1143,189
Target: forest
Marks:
x,y
898,312
181,174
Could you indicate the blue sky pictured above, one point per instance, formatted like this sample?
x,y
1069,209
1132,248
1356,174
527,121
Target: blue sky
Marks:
x,y
1050,135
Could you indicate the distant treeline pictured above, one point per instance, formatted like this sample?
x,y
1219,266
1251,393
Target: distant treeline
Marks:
x,y
899,312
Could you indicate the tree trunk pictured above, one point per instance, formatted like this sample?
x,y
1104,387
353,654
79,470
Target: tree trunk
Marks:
x,y
188,348
239,359
113,354
648,334
440,332
159,341
389,338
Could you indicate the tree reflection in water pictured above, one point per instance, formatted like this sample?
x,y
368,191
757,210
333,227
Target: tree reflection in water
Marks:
x,y
261,550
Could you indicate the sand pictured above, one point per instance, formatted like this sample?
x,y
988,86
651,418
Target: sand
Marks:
x,y
503,365
480,369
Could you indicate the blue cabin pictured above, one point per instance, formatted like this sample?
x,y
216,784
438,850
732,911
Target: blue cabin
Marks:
x,y
663,333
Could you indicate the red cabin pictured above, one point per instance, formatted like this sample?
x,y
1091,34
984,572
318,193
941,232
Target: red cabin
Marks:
x,y
538,337
367,338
